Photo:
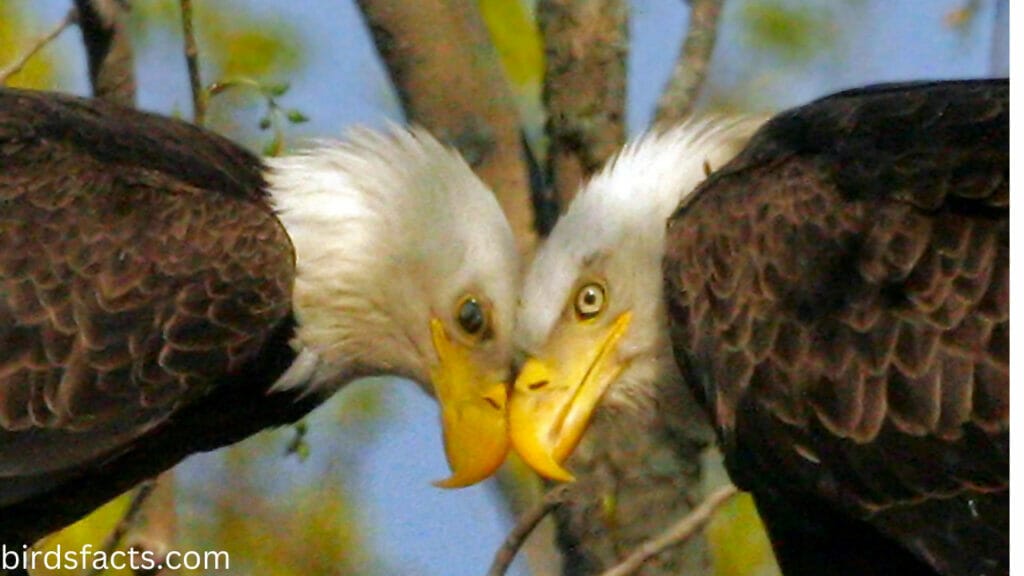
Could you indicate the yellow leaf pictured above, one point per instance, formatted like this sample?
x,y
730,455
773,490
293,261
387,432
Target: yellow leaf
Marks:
x,y
516,38
17,34
92,530
738,542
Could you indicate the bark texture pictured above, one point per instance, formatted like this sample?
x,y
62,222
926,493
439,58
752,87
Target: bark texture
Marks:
x,y
637,471
449,79
584,86
108,45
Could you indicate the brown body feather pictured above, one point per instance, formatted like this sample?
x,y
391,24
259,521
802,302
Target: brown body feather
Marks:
x,y
142,273
839,297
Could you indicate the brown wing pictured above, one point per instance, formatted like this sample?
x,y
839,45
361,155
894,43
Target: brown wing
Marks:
x,y
139,263
839,297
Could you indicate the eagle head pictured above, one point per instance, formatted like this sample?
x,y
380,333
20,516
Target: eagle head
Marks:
x,y
405,265
591,320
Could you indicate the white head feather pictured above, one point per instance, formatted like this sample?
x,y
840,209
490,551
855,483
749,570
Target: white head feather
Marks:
x,y
614,232
390,230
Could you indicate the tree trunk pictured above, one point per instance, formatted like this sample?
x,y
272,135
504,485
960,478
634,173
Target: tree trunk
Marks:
x,y
638,471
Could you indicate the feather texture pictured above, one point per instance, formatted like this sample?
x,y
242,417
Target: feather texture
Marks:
x,y
840,290
141,270
157,281
126,289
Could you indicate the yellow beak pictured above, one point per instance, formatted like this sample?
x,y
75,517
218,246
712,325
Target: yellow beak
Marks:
x,y
553,400
473,412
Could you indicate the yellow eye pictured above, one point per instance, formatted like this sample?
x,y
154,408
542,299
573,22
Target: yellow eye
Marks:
x,y
590,301
471,317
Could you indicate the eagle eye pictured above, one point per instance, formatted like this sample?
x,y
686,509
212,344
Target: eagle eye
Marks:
x,y
590,301
471,317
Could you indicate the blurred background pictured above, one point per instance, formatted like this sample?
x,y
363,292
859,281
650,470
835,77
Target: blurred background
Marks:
x,y
356,498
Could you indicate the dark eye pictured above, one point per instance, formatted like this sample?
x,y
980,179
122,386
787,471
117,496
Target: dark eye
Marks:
x,y
590,301
471,317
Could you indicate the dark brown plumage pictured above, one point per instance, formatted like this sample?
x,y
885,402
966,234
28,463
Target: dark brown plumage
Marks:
x,y
131,284
839,299
163,292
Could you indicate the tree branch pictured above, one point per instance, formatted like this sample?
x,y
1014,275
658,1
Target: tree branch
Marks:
x,y
584,86
637,471
521,490
70,18
680,95
111,62
450,80
524,527
677,534
192,60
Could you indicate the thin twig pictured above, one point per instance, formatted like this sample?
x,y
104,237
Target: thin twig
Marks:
x,y
524,527
681,92
70,18
192,59
676,534
127,521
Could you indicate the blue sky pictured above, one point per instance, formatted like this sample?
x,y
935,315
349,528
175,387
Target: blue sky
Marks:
x,y
426,531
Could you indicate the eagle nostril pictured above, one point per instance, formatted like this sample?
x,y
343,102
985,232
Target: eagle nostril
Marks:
x,y
537,385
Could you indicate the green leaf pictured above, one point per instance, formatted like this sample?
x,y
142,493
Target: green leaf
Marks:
x,y
298,446
274,147
297,117
276,89
796,33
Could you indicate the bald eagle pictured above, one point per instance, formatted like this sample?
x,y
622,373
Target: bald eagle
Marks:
x,y
836,297
163,291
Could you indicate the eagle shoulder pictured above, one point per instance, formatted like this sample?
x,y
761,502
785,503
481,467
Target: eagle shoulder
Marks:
x,y
839,297
139,264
